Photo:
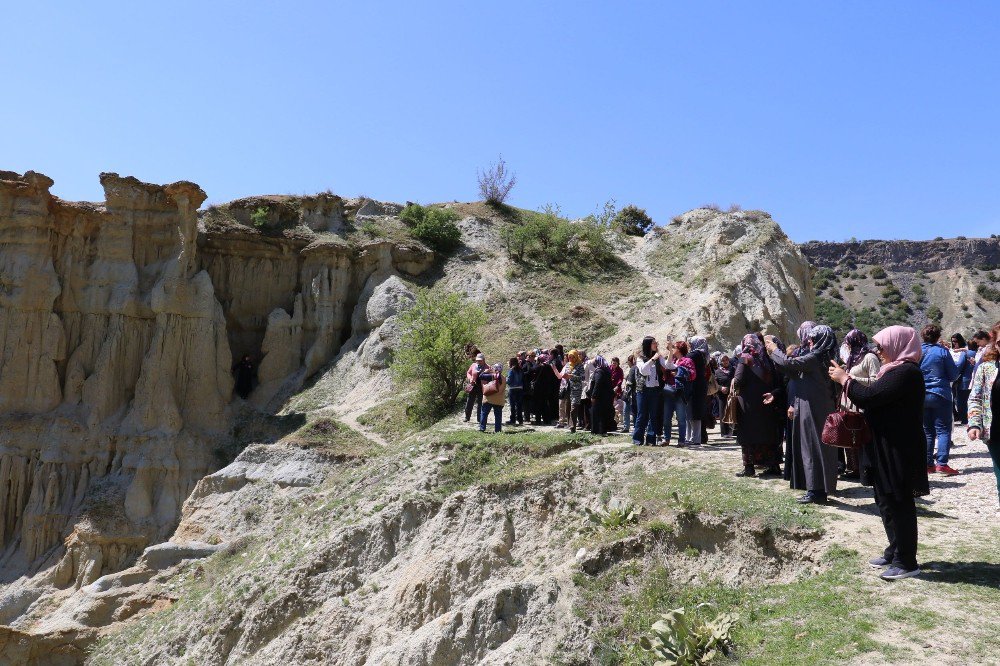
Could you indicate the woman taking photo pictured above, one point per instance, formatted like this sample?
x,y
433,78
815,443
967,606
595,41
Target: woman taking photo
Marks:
x,y
649,396
862,364
814,399
894,460
984,402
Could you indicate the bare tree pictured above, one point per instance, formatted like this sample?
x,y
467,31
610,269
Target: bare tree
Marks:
x,y
496,182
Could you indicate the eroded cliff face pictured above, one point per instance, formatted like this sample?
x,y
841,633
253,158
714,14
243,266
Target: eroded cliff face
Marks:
x,y
119,323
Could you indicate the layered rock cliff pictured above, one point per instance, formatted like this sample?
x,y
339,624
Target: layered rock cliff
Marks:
x,y
907,255
119,324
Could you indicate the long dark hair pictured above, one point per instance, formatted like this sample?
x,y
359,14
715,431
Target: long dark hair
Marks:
x,y
647,347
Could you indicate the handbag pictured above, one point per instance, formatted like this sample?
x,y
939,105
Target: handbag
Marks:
x,y
713,384
846,429
731,415
492,386
564,390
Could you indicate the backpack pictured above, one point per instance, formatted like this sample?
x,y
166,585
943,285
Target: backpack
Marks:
x,y
684,381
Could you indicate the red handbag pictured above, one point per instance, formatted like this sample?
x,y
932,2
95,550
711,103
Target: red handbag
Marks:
x,y
846,430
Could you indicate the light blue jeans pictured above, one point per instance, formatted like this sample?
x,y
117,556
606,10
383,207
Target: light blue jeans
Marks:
x,y
674,404
937,428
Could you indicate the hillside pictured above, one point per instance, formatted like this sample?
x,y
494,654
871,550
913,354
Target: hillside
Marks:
x,y
151,516
950,282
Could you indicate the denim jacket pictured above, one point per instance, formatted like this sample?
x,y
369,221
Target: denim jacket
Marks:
x,y
939,370
980,399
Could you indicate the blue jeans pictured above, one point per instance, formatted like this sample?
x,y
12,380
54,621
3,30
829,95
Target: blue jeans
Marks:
x,y
516,405
673,404
627,415
993,446
484,416
648,403
937,428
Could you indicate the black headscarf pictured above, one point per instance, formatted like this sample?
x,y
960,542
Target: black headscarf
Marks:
x,y
824,342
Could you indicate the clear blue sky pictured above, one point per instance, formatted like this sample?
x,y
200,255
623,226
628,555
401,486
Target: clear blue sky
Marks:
x,y
867,119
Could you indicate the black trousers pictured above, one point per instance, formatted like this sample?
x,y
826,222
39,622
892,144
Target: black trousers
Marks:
x,y
474,397
899,517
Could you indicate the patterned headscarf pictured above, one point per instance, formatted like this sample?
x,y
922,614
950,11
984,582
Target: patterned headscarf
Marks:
x,y
600,362
857,342
753,350
698,343
804,329
824,341
572,358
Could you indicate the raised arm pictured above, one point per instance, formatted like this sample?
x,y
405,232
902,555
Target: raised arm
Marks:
x,y
789,365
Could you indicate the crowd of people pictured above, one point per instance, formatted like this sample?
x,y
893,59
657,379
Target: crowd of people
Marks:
x,y
775,400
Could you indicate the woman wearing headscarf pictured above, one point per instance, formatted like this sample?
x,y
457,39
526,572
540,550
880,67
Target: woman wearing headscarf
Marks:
x,y
760,421
724,378
894,460
649,395
602,409
862,364
572,375
814,398
698,407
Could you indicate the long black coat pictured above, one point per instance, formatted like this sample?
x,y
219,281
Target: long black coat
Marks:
x,y
699,388
895,461
759,424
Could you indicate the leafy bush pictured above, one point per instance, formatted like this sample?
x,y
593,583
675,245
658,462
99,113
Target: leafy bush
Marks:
x,y
842,319
260,217
435,227
633,221
370,228
878,273
496,182
934,314
988,292
616,513
431,357
548,239
679,639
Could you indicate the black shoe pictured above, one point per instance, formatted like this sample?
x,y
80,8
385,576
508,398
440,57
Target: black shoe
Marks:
x,y
772,471
896,573
878,562
812,498
747,472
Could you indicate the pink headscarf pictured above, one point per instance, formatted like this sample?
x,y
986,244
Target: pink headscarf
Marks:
x,y
900,344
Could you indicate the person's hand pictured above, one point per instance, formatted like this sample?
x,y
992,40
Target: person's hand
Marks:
x,y
791,413
973,434
837,373
768,398
723,389
769,344
746,359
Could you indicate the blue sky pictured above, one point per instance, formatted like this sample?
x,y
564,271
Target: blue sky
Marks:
x,y
866,119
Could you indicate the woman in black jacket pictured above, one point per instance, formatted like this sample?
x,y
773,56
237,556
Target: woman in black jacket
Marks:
x,y
602,407
698,408
894,461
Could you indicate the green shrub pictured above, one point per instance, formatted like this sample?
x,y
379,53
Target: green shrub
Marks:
x,y
431,357
260,217
988,292
633,221
849,287
435,227
370,228
680,639
918,290
545,238
934,314
878,273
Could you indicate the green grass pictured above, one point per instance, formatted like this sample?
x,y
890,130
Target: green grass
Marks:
x,y
502,459
389,419
332,436
817,619
715,493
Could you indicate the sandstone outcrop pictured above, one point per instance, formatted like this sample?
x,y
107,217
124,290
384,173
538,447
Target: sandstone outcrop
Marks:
x,y
119,324
907,255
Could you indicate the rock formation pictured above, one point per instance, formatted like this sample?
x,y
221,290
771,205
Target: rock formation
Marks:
x,y
119,324
907,255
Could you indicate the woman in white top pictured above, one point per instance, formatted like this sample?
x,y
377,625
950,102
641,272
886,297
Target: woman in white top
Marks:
x,y
649,399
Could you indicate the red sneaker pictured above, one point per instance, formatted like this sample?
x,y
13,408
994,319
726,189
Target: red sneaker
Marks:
x,y
931,469
947,471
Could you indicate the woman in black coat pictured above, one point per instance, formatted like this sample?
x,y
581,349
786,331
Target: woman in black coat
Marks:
x,y
698,407
761,412
602,406
894,462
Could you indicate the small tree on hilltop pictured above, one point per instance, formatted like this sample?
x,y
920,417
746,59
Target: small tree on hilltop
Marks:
x,y
496,182
431,357
633,221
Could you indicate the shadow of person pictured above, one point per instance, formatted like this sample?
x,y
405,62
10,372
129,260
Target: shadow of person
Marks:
x,y
982,574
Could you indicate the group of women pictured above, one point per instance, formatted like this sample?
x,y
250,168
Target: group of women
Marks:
x,y
768,393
